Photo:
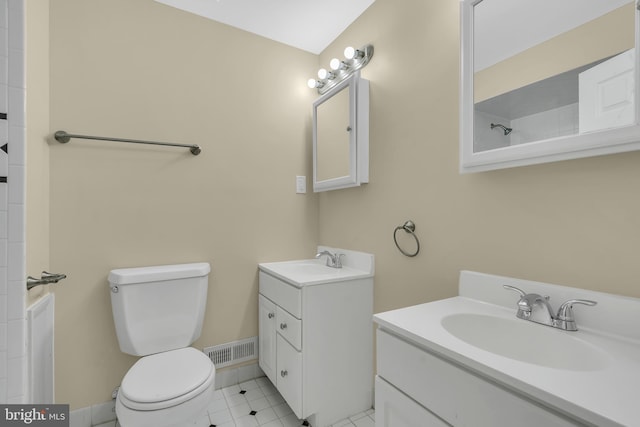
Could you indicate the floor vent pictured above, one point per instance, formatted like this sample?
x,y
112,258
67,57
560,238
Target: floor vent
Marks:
x,y
233,352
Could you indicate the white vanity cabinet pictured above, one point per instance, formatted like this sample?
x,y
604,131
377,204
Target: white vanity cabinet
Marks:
x,y
316,344
417,388
469,361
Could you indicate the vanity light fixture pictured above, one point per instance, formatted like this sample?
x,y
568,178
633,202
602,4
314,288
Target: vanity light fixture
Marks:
x,y
355,59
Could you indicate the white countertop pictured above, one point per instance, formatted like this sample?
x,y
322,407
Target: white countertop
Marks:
x,y
609,396
308,272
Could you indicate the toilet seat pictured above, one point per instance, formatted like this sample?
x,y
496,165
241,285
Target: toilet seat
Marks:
x,y
166,379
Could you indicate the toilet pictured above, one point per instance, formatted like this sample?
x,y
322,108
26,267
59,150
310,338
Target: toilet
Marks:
x,y
158,313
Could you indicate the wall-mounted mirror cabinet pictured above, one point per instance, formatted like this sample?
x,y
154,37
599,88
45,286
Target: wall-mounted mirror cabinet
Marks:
x,y
341,136
547,80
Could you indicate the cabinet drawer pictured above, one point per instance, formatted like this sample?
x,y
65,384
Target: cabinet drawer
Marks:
x,y
285,295
457,396
289,375
395,409
289,327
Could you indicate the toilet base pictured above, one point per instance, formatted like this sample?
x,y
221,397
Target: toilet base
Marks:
x,y
176,416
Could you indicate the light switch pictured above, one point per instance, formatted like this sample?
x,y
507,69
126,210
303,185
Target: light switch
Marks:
x,y
301,184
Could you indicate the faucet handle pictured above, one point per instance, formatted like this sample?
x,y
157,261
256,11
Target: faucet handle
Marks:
x,y
338,260
513,288
565,312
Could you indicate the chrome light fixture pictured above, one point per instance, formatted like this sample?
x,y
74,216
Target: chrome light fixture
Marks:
x,y
355,59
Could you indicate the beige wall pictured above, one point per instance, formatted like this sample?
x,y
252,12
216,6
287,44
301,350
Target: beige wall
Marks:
x,y
139,69
575,222
606,36
37,149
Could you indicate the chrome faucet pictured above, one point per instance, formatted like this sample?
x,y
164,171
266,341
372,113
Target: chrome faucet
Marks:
x,y
333,260
563,320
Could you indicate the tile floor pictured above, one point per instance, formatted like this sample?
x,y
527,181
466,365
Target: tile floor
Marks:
x,y
257,403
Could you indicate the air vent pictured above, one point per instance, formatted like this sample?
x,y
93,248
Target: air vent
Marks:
x,y
234,352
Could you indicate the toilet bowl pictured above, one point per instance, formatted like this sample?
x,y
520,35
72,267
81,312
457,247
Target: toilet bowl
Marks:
x,y
158,313
165,389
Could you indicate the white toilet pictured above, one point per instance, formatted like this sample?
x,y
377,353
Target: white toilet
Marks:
x,y
158,312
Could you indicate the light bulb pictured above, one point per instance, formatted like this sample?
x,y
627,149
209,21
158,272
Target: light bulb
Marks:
x,y
322,74
312,83
349,53
335,64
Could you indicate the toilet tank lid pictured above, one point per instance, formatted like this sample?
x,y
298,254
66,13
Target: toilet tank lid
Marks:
x,y
123,276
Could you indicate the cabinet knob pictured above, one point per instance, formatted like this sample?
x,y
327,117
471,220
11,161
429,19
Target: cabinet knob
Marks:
x,y
270,315
284,373
283,326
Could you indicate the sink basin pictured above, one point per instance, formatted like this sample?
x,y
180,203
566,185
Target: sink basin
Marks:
x,y
525,341
312,272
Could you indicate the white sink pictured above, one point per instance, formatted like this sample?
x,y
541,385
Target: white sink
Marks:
x,y
525,341
591,374
356,265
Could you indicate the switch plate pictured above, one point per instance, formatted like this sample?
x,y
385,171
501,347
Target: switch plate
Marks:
x,y
301,184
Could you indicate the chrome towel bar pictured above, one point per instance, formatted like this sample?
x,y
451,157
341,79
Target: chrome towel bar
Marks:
x,y
64,137
45,279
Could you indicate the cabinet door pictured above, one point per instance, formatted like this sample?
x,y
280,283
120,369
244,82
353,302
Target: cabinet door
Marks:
x,y
289,375
267,337
607,93
395,409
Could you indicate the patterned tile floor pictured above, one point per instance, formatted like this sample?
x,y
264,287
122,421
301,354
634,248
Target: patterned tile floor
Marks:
x,y
258,403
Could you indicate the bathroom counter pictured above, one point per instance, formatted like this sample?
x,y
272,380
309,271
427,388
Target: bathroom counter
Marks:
x,y
606,395
308,272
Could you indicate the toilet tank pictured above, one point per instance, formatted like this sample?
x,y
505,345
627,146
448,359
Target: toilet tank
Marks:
x,y
159,308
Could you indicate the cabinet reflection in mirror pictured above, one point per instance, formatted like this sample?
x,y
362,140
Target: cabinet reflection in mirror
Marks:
x,y
547,80
341,136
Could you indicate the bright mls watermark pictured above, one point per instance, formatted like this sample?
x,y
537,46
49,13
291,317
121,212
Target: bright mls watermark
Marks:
x,y
34,415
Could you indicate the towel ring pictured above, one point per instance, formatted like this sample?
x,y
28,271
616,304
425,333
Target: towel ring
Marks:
x,y
410,228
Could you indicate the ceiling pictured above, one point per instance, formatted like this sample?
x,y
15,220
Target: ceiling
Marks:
x,y
305,24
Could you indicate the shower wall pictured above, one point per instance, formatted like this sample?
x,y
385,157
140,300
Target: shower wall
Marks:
x,y
13,362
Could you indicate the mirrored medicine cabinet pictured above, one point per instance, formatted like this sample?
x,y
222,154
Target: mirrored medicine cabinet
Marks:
x,y
341,136
547,80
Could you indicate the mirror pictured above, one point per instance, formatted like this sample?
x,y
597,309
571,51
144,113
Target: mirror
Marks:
x,y
341,136
547,80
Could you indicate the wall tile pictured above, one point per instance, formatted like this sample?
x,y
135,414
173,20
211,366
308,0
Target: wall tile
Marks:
x,y
4,331
16,294
3,286
16,189
4,202
4,11
15,385
4,61
3,225
16,255
15,222
4,97
4,249
17,149
15,334
16,29
13,361
16,106
3,358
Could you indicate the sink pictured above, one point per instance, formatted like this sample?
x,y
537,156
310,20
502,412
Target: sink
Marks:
x,y
525,341
303,272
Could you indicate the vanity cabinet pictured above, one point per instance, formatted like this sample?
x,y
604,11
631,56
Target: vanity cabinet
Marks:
x,y
417,387
316,345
